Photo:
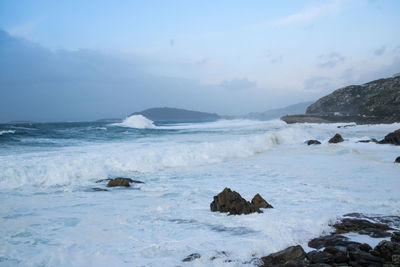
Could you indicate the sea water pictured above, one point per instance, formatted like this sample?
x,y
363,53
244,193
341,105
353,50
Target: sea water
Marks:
x,y
51,216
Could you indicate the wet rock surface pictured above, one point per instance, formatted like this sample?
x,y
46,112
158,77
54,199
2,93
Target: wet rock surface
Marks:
x,y
119,181
233,203
373,140
260,203
336,139
392,138
397,160
313,142
294,253
337,250
192,257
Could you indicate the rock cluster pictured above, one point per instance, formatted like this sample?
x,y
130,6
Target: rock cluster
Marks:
x,y
336,139
231,202
338,250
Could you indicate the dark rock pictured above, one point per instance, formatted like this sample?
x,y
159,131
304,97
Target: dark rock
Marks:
x,y
319,257
260,203
365,247
347,125
395,237
333,240
363,227
364,258
387,249
336,139
341,258
192,257
396,259
96,189
231,201
313,142
120,181
397,160
368,141
335,250
293,253
103,180
392,138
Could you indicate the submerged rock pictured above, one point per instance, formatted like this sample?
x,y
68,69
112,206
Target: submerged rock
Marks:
x,y
96,189
120,181
192,257
260,203
392,138
313,142
231,201
294,253
336,139
368,141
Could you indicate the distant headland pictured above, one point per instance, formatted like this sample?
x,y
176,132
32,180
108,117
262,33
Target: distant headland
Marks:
x,y
370,103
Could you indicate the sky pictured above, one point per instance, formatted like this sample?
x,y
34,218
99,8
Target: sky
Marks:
x,y
87,60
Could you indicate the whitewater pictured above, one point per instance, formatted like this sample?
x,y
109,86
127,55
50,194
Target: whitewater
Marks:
x,y
51,216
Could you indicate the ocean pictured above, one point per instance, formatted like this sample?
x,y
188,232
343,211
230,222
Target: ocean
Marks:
x,y
50,215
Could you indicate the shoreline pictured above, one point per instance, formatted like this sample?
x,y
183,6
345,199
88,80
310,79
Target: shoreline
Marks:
x,y
360,120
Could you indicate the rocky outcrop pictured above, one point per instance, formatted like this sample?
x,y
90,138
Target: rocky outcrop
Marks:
x,y
336,139
120,181
294,254
373,140
232,202
338,250
378,99
192,257
260,203
313,142
392,138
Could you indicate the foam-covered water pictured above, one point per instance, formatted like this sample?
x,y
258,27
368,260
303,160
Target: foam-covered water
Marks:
x,y
50,216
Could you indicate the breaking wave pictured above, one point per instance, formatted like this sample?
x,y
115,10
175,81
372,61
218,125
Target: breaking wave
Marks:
x,y
137,121
7,132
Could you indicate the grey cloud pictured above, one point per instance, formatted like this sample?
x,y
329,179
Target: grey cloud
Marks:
x,y
330,60
237,84
317,84
43,85
380,51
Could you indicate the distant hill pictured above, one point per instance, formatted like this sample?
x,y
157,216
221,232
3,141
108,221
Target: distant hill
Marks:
x,y
176,114
374,102
299,108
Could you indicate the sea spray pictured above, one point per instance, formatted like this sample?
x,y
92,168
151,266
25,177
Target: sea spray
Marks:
x,y
137,121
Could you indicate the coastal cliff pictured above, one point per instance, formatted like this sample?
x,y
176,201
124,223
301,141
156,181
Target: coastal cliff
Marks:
x,y
373,102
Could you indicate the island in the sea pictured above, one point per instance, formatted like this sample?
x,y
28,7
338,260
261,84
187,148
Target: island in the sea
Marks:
x,y
176,114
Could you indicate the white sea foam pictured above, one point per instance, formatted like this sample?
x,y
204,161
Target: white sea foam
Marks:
x,y
7,132
49,217
137,121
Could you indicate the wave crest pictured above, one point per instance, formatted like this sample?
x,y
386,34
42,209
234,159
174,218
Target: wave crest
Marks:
x,y
137,121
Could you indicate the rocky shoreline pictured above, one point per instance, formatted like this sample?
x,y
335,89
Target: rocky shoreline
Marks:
x,y
308,118
336,249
